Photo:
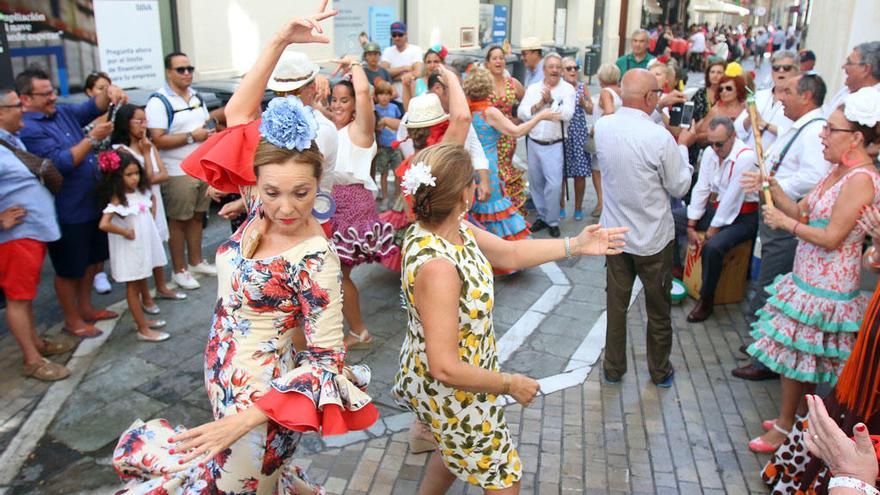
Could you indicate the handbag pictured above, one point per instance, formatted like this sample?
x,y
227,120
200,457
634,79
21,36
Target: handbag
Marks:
x,y
42,168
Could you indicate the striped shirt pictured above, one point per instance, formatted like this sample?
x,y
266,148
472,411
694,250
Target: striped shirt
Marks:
x,y
642,167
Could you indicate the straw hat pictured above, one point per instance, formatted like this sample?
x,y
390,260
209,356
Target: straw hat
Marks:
x,y
294,70
530,43
424,111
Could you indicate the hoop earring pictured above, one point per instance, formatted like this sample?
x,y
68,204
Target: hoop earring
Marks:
x,y
847,161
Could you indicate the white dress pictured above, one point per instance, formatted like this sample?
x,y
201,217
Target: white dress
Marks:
x,y
161,221
135,259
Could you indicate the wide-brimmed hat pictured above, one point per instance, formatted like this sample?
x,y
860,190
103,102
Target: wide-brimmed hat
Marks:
x,y
530,43
424,111
293,71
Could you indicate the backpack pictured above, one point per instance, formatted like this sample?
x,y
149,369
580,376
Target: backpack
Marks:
x,y
170,111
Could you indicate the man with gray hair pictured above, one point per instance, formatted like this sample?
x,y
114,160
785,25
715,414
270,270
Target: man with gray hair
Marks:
x,y
719,207
862,69
639,57
545,151
642,167
771,118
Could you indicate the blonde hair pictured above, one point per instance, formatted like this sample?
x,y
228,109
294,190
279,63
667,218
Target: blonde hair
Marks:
x,y
451,166
478,84
608,74
382,88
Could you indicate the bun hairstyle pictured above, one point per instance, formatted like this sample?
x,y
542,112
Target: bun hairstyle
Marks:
x,y
269,154
451,166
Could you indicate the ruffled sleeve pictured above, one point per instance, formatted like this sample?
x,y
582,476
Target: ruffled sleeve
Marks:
x,y
121,210
320,393
226,160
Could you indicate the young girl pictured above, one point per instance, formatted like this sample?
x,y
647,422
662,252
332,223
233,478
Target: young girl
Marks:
x,y
130,135
135,246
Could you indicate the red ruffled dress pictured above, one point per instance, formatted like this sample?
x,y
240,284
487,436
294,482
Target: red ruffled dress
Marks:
x,y
250,361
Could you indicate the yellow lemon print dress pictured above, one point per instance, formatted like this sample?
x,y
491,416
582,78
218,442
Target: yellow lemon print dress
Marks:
x,y
469,427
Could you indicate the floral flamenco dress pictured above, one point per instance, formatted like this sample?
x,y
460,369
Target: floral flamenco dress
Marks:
x,y
512,177
496,213
250,361
807,328
473,438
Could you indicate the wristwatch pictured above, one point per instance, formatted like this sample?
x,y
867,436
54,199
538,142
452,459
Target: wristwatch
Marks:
x,y
189,138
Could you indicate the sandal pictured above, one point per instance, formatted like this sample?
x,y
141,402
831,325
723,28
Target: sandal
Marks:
x,y
84,333
174,296
53,347
759,446
767,424
596,213
152,310
421,439
46,371
104,314
362,340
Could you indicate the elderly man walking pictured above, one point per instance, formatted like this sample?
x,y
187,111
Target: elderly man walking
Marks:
x,y
639,57
643,168
545,151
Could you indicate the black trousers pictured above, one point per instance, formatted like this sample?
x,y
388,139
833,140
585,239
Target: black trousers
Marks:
x,y
742,229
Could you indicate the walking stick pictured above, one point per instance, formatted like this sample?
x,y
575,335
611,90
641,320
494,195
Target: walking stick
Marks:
x,y
759,149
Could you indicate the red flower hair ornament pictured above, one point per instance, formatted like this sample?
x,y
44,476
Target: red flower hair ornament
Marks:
x,y
108,161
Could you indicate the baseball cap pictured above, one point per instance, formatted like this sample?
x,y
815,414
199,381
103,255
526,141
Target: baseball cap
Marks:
x,y
372,47
398,27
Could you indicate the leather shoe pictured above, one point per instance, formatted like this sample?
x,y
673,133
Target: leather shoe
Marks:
x,y
539,225
554,231
702,311
750,372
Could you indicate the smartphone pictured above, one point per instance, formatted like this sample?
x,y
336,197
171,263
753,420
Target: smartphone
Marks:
x,y
211,123
687,115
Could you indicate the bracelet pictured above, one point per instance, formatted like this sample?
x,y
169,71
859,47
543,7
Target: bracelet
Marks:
x,y
857,484
567,242
794,230
505,383
94,142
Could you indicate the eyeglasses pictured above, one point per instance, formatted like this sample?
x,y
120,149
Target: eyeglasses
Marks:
x,y
16,105
853,63
398,35
45,94
183,70
828,129
726,88
138,121
717,145
783,68
573,67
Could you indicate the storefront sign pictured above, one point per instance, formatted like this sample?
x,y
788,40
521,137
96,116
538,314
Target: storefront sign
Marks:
x,y
381,19
373,18
6,76
130,42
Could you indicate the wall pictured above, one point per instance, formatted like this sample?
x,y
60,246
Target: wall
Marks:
x,y
224,37
828,21
432,22
579,28
532,18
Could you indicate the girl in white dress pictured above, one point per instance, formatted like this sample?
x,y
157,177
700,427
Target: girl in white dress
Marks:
x,y
135,246
130,134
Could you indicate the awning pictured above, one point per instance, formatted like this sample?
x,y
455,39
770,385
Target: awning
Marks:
x,y
653,7
717,7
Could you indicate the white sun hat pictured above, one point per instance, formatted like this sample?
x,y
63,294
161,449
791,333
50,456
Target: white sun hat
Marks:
x,y
530,43
424,111
293,71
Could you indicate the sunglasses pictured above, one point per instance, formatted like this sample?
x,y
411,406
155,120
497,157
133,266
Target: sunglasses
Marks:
x,y
573,67
184,69
726,88
717,144
783,68
397,35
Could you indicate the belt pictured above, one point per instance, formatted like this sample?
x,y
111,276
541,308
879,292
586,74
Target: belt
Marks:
x,y
747,207
545,143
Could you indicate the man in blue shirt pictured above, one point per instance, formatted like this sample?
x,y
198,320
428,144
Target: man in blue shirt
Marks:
x,y
54,131
27,223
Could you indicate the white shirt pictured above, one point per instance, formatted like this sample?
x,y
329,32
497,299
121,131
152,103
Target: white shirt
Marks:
x,y
353,166
189,115
772,112
642,167
327,141
471,143
722,178
396,58
563,95
803,165
835,102
698,42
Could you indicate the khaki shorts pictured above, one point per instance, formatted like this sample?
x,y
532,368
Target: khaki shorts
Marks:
x,y
183,197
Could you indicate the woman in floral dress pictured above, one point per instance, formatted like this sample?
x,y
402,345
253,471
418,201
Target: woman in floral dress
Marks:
x,y
806,330
856,396
578,163
448,292
279,292
507,93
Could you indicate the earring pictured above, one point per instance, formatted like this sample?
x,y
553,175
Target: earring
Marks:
x,y
847,161
260,212
467,207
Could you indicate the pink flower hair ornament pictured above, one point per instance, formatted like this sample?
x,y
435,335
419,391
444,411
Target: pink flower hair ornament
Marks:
x,y
108,161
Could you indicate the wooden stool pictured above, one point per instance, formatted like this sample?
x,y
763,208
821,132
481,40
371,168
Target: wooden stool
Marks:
x,y
732,284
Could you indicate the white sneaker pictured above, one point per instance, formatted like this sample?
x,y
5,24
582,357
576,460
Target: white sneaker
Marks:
x,y
185,280
204,268
102,284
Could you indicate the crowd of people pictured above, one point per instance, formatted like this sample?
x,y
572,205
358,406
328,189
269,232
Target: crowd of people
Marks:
x,y
105,182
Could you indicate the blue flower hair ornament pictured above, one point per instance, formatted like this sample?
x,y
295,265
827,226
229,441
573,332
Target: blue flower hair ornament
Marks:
x,y
287,123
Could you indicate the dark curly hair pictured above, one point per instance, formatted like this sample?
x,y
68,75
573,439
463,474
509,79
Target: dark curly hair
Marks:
x,y
112,184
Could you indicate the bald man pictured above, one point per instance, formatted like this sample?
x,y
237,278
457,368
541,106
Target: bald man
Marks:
x,y
644,168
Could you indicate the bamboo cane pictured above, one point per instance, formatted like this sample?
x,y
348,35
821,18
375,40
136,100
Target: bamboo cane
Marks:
x,y
759,149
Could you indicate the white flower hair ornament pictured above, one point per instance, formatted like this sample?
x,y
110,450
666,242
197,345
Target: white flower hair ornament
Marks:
x,y
863,106
417,176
